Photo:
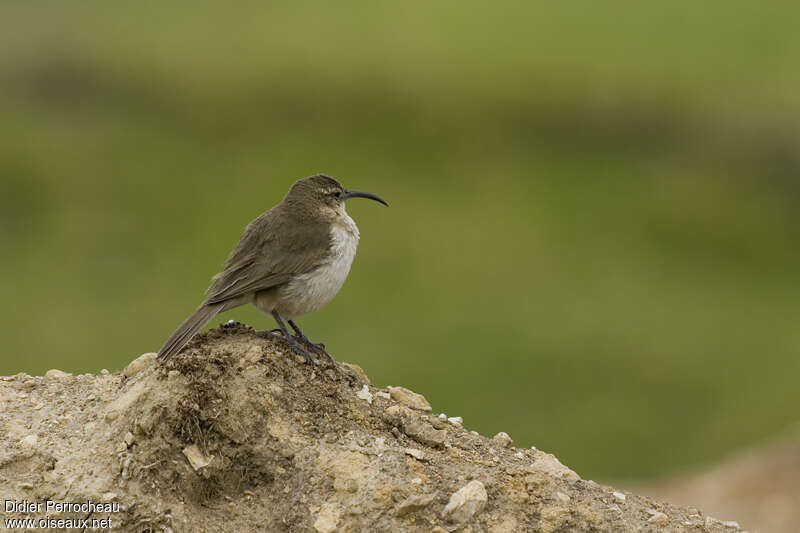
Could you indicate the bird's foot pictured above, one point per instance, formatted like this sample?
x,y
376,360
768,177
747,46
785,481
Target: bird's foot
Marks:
x,y
301,350
316,347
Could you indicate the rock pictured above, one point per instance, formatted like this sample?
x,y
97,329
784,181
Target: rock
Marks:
x,y
348,468
455,420
382,494
383,394
502,440
54,373
466,502
415,503
197,458
547,462
233,435
327,518
416,454
30,441
619,497
658,519
409,398
437,422
424,433
397,411
365,394
359,372
139,364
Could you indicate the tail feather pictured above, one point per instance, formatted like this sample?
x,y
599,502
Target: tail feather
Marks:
x,y
188,329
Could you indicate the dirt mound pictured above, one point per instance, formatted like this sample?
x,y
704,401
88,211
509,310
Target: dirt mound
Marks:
x,y
236,434
760,486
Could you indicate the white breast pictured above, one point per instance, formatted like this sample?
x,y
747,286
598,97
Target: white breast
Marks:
x,y
311,291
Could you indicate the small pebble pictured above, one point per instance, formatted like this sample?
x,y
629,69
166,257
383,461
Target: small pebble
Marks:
x,y
415,453
621,497
139,364
56,374
30,440
659,519
365,394
383,394
466,502
409,398
456,420
196,457
502,440
359,372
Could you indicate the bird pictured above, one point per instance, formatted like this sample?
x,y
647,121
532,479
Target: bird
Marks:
x,y
289,261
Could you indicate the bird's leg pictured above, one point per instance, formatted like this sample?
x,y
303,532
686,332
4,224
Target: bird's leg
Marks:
x,y
296,345
317,347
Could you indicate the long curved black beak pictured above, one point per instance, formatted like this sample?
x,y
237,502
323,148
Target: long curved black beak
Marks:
x,y
362,194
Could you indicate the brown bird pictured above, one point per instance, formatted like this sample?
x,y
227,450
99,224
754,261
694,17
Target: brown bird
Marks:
x,y
290,261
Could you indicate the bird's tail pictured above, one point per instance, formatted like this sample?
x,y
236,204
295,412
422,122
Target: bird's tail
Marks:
x,y
188,329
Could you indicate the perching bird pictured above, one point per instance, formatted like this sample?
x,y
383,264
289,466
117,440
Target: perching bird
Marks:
x,y
290,261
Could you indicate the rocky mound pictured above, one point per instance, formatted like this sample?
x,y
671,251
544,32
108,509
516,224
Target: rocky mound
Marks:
x,y
761,486
237,434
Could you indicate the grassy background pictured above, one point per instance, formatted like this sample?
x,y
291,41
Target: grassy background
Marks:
x,y
593,235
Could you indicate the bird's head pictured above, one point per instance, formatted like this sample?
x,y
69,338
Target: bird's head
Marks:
x,y
321,193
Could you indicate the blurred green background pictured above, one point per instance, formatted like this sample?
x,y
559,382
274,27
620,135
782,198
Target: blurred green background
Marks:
x,y
592,242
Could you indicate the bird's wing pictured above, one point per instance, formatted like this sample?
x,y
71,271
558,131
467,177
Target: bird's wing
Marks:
x,y
271,251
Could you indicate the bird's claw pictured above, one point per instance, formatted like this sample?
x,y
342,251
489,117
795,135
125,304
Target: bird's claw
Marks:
x,y
316,347
302,351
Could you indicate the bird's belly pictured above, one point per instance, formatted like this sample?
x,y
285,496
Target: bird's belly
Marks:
x,y
309,292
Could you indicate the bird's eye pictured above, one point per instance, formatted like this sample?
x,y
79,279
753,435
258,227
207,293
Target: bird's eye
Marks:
x,y
337,194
